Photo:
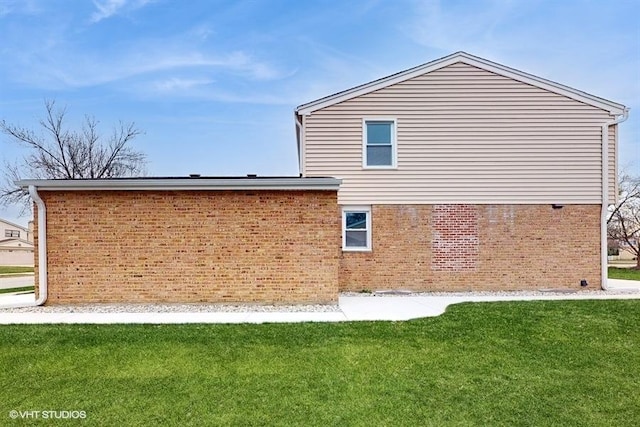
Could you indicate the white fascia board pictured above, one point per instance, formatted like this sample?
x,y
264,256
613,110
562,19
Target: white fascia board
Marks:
x,y
15,240
14,225
366,88
610,106
186,184
551,86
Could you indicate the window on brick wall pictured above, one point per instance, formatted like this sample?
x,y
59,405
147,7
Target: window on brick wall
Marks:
x,y
11,233
356,228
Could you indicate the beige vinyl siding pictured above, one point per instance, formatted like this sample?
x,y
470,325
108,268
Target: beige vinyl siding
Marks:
x,y
464,135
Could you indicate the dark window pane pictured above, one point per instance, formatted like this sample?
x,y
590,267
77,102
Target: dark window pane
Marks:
x,y
379,156
356,220
356,239
379,132
11,233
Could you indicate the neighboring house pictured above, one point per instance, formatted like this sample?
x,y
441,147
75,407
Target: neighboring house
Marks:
x,y
459,174
621,250
16,244
626,254
465,174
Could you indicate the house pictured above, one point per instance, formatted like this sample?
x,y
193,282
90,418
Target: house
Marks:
x,y
459,174
620,250
16,244
466,174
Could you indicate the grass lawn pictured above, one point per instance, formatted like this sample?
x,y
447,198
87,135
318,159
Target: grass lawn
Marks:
x,y
20,289
568,363
624,273
10,269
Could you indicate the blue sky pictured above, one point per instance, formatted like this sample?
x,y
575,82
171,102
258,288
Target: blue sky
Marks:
x,y
214,83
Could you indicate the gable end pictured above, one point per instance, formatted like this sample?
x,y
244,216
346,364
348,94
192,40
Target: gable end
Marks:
x,y
462,57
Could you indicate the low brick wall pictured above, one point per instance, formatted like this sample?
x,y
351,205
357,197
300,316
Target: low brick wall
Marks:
x,y
192,246
477,247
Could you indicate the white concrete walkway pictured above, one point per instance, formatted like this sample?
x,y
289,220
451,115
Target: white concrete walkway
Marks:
x,y
8,281
352,308
623,285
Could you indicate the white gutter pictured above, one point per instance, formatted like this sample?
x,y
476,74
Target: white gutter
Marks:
x,y
184,184
605,196
42,253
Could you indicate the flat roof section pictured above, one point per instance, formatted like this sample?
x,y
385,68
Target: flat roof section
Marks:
x,y
185,183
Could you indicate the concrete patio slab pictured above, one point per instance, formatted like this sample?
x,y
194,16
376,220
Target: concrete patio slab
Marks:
x,y
413,307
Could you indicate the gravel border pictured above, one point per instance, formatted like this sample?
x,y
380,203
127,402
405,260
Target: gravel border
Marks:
x,y
306,308
175,308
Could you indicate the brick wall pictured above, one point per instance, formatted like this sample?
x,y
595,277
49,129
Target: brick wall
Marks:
x,y
283,247
477,247
454,238
192,246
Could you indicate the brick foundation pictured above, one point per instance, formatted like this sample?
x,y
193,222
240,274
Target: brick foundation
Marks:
x,y
192,246
477,247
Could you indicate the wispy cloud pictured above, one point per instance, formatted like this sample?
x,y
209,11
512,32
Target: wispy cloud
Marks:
x,y
28,7
449,27
332,70
108,8
95,71
65,67
174,84
533,36
201,32
228,96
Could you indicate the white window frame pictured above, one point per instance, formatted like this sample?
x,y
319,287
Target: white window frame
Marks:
x,y
347,209
394,144
12,233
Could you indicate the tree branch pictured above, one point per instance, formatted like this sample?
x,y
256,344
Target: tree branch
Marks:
x,y
60,152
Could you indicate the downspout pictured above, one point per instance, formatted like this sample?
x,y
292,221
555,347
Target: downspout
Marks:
x,y
42,253
605,196
299,131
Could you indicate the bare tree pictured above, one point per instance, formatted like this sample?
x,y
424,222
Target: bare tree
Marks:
x,y
629,189
60,153
623,223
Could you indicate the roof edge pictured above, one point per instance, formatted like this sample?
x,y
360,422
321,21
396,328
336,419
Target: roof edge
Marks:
x,y
13,224
610,106
186,184
17,239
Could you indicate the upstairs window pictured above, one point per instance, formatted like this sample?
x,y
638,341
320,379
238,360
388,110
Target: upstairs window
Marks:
x,y
11,233
379,143
356,228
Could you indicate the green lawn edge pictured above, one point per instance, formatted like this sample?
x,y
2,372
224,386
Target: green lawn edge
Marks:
x,y
623,273
569,363
4,269
18,289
